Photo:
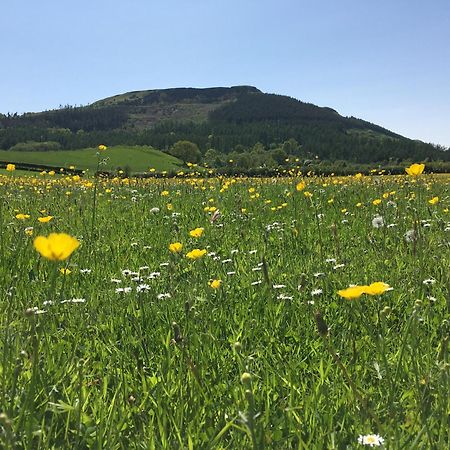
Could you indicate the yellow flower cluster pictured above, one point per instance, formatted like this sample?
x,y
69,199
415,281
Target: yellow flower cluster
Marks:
x,y
353,292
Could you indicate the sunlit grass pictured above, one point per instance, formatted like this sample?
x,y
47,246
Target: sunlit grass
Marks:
x,y
131,344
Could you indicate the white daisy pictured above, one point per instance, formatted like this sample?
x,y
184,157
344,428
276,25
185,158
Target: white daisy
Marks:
x,y
374,440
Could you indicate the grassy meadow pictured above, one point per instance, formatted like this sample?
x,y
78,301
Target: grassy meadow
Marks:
x,y
130,158
252,341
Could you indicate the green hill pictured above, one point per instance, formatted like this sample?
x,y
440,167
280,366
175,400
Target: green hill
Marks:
x,y
131,159
238,119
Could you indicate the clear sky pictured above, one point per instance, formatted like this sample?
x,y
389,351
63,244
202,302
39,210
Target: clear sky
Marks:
x,y
385,61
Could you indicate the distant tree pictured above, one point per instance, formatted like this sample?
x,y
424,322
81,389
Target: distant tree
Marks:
x,y
291,147
213,158
244,161
279,156
187,151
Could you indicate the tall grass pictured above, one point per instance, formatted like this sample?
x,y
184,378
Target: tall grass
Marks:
x,y
273,358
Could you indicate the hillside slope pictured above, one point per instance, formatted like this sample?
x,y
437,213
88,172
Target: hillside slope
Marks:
x,y
223,119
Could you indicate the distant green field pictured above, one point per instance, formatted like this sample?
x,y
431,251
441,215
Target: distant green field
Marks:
x,y
134,159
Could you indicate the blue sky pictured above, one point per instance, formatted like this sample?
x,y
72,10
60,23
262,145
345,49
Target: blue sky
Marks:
x,y
385,61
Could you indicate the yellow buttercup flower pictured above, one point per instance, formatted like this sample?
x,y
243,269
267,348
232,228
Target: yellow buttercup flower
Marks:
x,y
415,169
352,292
102,148
376,202
433,201
176,247
10,167
376,288
45,219
65,271
215,284
197,232
300,186
57,246
22,216
196,254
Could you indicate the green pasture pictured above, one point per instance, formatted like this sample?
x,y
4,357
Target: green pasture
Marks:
x,y
125,345
133,159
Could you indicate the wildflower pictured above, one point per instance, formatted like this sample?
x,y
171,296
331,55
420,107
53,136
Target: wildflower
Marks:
x,y
85,271
22,216
163,296
142,288
284,297
196,254
154,210
410,236
376,202
307,194
29,231
176,247
45,219
352,292
197,232
74,300
415,169
300,186
433,201
378,222
35,311
376,288
65,271
102,148
125,290
374,440
10,167
165,193
215,284
429,281
315,292
57,246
